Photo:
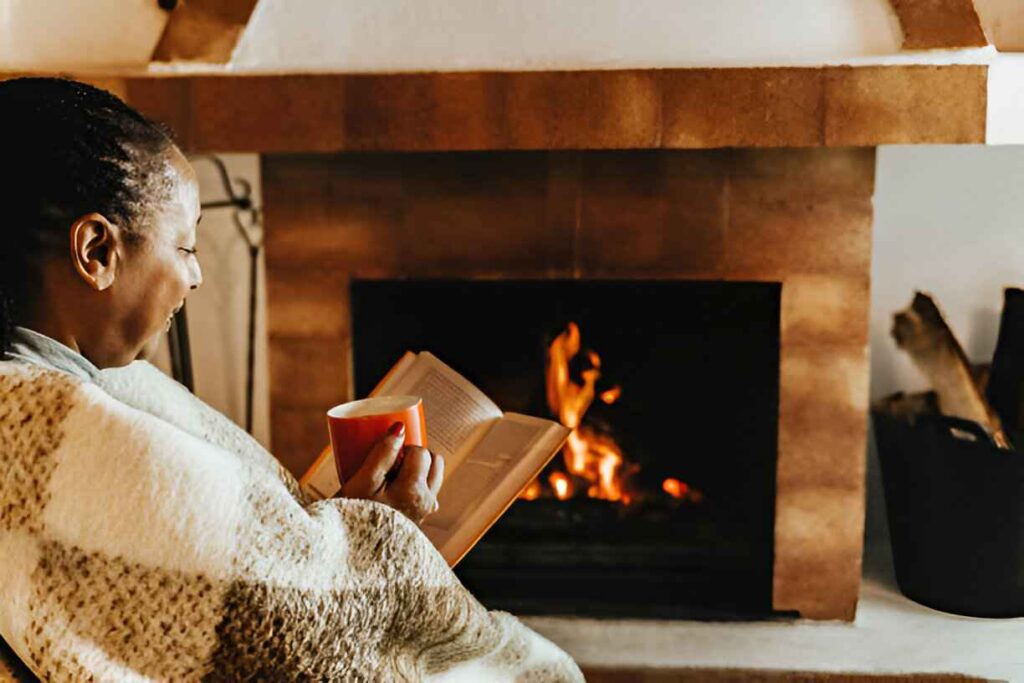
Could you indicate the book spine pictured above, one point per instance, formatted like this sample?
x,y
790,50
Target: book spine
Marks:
x,y
321,480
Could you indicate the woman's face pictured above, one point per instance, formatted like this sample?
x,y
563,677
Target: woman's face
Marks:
x,y
161,269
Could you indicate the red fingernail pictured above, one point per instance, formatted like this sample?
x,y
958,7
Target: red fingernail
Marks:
x,y
396,429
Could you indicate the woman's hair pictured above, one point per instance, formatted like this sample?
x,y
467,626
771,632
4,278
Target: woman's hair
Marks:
x,y
69,149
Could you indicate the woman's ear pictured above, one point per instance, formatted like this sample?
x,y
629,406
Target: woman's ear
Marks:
x,y
93,253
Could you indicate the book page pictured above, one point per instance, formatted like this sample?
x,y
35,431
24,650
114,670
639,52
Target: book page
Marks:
x,y
457,413
489,479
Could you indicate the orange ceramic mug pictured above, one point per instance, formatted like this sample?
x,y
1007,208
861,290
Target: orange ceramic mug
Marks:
x,y
355,426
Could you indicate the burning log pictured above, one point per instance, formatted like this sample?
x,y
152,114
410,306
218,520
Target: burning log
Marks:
x,y
1006,385
921,331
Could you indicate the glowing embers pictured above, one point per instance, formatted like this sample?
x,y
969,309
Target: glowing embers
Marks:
x,y
680,490
561,484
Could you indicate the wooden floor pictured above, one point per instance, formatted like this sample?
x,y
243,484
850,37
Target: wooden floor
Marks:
x,y
13,671
636,675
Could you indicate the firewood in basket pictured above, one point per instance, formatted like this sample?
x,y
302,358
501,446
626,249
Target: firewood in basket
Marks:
x,y
921,331
908,406
982,373
1006,388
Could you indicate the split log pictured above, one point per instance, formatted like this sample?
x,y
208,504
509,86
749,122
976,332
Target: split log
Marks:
x,y
982,374
921,331
1006,385
908,406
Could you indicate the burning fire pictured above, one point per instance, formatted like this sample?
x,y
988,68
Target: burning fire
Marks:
x,y
674,487
561,485
680,490
593,457
532,491
611,396
590,456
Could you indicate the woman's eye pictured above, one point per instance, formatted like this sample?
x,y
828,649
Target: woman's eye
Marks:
x,y
193,251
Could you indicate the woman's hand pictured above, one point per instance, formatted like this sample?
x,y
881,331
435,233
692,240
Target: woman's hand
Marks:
x,y
408,483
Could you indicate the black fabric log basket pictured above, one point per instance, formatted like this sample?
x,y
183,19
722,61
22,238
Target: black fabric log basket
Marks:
x,y
955,505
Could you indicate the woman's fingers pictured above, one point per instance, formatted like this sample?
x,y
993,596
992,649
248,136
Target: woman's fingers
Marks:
x,y
368,480
410,491
414,489
415,467
435,477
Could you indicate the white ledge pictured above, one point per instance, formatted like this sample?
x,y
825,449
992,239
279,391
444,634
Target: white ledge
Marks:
x,y
890,635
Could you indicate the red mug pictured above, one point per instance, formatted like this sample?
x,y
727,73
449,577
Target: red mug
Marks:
x,y
355,426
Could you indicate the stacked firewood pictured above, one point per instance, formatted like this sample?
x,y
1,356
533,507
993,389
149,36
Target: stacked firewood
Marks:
x,y
990,395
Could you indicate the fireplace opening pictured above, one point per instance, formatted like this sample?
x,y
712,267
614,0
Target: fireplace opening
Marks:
x,y
662,504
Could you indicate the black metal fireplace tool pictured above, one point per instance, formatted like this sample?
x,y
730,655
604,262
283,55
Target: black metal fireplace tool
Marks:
x,y
248,223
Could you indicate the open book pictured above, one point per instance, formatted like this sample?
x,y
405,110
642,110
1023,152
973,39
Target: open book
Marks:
x,y
489,455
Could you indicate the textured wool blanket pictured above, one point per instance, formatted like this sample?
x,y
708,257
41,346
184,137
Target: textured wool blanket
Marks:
x,y
143,536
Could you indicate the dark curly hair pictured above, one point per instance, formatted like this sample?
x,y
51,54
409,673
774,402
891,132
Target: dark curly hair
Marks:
x,y
69,149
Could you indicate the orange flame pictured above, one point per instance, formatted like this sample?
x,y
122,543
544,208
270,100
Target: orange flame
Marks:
x,y
594,457
531,492
593,460
561,484
675,488
680,490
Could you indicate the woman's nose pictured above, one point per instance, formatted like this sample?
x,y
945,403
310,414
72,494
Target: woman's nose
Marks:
x,y
197,279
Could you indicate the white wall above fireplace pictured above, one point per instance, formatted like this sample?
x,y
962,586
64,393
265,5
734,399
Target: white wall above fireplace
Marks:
x,y
393,35
453,35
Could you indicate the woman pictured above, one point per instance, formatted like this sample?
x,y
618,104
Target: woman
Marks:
x,y
141,533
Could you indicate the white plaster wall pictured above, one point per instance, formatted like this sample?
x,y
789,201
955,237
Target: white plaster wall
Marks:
x,y
218,311
1005,105
404,35
40,35
948,220
352,35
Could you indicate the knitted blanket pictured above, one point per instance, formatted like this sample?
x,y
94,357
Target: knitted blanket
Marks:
x,y
143,536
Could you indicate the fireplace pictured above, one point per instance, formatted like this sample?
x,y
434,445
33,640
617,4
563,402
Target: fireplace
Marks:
x,y
702,234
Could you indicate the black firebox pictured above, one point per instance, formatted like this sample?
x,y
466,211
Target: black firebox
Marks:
x,y
694,370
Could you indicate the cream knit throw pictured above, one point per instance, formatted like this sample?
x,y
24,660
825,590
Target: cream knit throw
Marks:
x,y
143,536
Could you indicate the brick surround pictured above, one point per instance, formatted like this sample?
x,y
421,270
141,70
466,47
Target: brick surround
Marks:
x,y
801,217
